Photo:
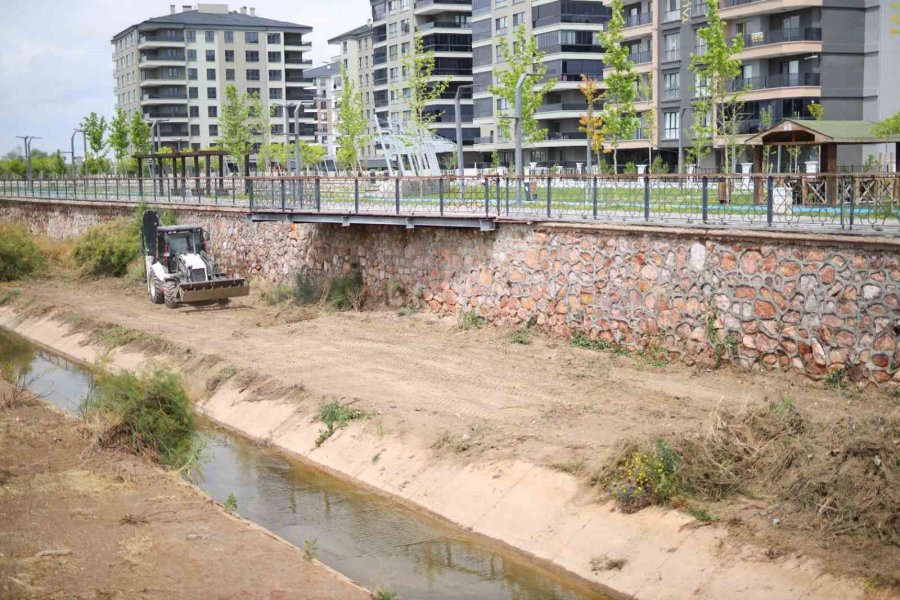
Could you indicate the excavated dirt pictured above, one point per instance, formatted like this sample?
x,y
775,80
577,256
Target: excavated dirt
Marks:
x,y
474,397
78,523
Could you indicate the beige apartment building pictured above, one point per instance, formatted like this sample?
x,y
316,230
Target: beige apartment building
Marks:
x,y
174,69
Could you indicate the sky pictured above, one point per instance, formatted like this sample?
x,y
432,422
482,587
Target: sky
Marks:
x,y
56,57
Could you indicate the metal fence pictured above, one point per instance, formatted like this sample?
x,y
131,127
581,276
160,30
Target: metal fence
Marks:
x,y
868,203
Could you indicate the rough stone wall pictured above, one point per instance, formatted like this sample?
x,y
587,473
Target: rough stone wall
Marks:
x,y
786,302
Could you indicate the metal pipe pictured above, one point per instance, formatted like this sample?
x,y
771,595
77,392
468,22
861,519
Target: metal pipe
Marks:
x,y
297,139
681,140
518,124
460,159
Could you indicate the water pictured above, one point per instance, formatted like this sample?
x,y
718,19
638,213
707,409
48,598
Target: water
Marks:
x,y
371,539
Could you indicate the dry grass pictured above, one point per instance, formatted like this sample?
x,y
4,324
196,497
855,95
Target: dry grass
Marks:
x,y
133,549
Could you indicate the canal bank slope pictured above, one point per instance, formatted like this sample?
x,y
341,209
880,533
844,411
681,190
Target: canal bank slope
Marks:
x,y
541,511
88,523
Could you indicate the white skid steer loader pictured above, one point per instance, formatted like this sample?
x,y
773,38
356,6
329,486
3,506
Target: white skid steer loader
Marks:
x,y
178,269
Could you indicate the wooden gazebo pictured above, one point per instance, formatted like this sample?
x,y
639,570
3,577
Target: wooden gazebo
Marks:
x,y
178,156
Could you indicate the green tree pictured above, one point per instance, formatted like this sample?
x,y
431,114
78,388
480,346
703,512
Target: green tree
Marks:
x,y
591,123
419,66
311,154
351,127
94,127
235,135
520,58
718,107
139,131
888,127
619,115
118,135
766,119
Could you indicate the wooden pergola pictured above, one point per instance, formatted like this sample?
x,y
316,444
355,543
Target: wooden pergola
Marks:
x,y
177,156
828,135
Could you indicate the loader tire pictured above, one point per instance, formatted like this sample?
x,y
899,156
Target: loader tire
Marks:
x,y
170,292
155,289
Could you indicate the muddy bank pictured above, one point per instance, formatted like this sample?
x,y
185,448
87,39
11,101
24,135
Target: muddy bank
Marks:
x,y
83,523
544,512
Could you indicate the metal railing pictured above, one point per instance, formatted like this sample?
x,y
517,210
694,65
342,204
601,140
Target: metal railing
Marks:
x,y
867,203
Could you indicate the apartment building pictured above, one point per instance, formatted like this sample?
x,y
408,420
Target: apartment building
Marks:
x,y
326,87
174,69
356,56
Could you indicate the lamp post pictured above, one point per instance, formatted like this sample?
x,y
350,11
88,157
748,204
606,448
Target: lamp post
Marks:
x,y
27,139
681,139
459,142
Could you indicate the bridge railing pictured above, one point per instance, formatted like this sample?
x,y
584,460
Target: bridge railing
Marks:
x,y
860,202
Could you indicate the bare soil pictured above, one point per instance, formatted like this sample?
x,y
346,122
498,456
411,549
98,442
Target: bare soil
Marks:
x,y
472,395
87,524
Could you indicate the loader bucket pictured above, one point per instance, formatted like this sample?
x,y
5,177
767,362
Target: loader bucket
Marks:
x,y
219,289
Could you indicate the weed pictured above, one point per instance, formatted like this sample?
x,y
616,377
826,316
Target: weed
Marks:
x,y
837,378
224,374
307,289
107,248
376,457
383,594
723,347
149,415
603,563
231,503
395,288
276,294
310,547
133,549
406,311
519,336
347,291
643,476
699,513
580,340
9,296
115,336
335,415
471,320
572,467
19,254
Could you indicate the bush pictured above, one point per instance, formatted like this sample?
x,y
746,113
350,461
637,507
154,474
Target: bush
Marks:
x,y
19,254
149,415
342,293
108,248
335,415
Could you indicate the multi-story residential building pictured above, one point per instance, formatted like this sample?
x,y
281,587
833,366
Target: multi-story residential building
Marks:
x,y
356,56
326,81
174,69
444,28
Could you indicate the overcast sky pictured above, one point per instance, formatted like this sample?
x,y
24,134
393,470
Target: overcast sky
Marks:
x,y
56,58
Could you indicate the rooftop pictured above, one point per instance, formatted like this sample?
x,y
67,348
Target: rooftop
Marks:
x,y
322,71
359,32
218,16
810,131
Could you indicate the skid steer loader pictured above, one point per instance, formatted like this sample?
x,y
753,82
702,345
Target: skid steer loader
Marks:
x,y
178,269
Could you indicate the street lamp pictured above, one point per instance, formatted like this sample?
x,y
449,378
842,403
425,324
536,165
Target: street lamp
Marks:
x,y
459,142
681,139
28,139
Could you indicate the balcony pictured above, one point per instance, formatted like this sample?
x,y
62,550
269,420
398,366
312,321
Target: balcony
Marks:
x,y
757,88
434,7
435,47
454,25
644,18
731,9
162,38
572,48
580,19
638,26
563,110
781,42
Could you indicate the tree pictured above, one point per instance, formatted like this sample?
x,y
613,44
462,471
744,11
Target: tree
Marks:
x,y
118,135
646,91
765,123
311,154
817,112
95,130
139,131
235,135
715,70
351,127
422,91
519,59
888,127
591,123
619,115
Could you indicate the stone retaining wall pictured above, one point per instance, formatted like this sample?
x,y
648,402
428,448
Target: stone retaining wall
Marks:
x,y
815,304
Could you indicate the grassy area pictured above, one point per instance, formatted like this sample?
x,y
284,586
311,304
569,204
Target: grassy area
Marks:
x,y
20,256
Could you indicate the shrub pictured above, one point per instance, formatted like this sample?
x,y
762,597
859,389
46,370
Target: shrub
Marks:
x,y
471,320
149,415
341,293
643,476
276,294
19,254
108,248
335,415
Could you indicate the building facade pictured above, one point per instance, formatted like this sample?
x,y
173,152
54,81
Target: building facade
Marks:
x,y
173,70
326,81
837,53
356,56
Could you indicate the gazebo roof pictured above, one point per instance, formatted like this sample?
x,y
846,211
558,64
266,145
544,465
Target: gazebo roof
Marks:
x,y
807,132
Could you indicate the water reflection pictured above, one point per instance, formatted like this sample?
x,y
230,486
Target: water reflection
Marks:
x,y
368,538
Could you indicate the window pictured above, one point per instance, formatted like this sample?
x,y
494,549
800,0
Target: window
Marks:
x,y
194,112
518,19
501,25
404,5
212,111
274,57
190,35
229,37
210,74
699,44
253,91
192,55
214,130
394,73
671,85
251,56
404,26
211,93
195,130
392,53
392,30
671,125
274,75
672,44
404,48
275,93
251,37
210,36
229,56
252,74
273,38
192,92
210,56
672,10
192,74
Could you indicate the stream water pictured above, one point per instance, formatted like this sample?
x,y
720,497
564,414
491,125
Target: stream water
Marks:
x,y
371,539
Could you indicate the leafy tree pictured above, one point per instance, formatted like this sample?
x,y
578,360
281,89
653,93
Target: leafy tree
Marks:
x,y
118,134
717,106
351,127
889,126
619,115
95,130
591,122
311,154
235,135
272,153
422,91
139,131
765,123
519,59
